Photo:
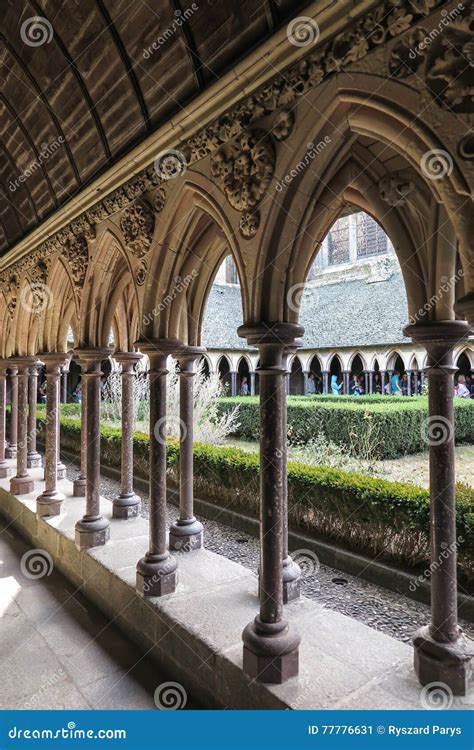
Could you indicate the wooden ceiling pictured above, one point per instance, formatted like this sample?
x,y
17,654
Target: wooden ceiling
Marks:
x,y
73,105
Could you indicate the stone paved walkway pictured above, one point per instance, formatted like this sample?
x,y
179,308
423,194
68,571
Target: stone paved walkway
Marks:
x,y
57,650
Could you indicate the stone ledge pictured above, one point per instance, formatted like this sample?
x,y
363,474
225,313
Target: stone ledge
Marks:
x,y
195,634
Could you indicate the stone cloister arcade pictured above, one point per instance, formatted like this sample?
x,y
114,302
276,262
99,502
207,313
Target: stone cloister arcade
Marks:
x,y
136,252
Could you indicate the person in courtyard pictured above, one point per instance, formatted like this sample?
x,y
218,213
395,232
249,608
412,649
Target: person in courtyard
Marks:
x,y
76,394
42,393
404,384
356,386
244,387
460,389
336,387
395,384
311,384
377,383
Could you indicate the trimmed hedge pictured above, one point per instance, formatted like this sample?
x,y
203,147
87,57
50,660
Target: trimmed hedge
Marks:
x,y
387,520
396,423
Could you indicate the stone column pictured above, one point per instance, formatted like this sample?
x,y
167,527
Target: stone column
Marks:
x,y
64,374
233,383
22,483
157,572
346,379
92,530
49,503
4,468
80,483
371,381
127,504
383,381
306,374
325,374
33,458
252,383
11,449
389,380
442,652
270,651
409,382
186,533
291,569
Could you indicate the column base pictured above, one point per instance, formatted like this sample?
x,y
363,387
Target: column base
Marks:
x,y
10,451
449,663
93,532
79,487
126,506
5,470
49,504
157,575
271,651
291,580
34,461
186,535
61,471
22,485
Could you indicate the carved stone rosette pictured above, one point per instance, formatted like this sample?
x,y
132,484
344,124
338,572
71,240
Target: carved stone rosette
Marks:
x,y
137,223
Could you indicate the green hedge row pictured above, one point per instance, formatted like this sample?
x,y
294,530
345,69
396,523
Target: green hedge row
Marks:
x,y
397,425
387,520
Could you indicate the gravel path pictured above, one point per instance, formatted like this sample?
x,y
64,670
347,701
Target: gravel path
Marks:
x,y
373,605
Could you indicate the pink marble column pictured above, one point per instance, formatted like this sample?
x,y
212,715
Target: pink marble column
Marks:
x,y
33,458
22,483
11,449
127,504
157,572
4,468
92,530
80,483
50,501
186,533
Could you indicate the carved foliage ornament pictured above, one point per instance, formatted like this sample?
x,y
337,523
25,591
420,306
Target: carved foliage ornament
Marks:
x,y
137,223
77,254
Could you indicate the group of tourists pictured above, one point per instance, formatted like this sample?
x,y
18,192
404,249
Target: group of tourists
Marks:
x,y
395,385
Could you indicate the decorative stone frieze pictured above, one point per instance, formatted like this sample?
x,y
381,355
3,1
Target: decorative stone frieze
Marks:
x,y
137,223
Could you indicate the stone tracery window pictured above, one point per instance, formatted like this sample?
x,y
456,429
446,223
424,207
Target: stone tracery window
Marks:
x,y
371,239
338,242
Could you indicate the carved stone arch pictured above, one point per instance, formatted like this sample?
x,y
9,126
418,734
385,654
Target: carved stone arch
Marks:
x,y
26,322
194,237
62,311
110,272
362,357
6,337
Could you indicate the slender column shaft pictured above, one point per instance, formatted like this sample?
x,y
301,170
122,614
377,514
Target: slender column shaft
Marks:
x,y
291,570
22,483
270,647
233,383
127,504
442,653
64,374
186,533
371,381
12,447
49,503
157,570
325,375
33,457
305,382
79,484
93,529
252,383
4,468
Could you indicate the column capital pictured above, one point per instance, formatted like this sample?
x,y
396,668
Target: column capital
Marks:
x,y
261,334
186,358
438,334
158,351
465,308
4,365
22,363
52,360
127,359
90,358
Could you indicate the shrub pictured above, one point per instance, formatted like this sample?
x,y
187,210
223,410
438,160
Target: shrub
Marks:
x,y
379,518
344,420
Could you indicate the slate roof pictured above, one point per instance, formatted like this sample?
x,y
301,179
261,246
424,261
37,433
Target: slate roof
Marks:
x,y
347,313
